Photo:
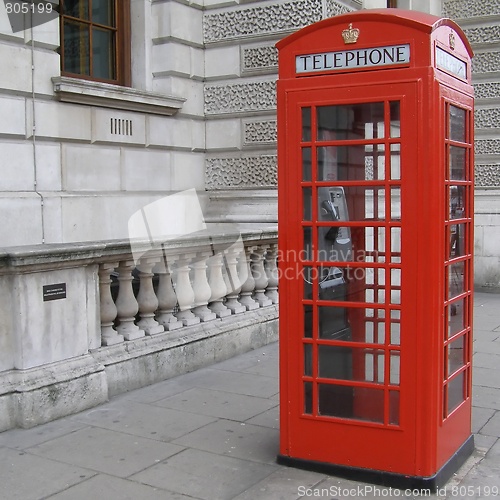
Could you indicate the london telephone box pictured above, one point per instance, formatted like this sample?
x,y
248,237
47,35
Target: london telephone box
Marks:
x,y
375,195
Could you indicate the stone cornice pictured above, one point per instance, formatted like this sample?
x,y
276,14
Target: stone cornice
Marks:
x,y
106,95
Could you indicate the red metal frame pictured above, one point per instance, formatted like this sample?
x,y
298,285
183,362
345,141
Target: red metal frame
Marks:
x,y
426,433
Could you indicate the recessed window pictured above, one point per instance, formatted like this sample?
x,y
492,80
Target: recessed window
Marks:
x,y
95,40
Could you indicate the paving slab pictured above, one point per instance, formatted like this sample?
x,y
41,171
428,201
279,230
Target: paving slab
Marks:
x,y
106,487
24,476
269,418
235,439
217,404
204,475
492,427
138,419
102,450
248,384
284,484
21,439
486,397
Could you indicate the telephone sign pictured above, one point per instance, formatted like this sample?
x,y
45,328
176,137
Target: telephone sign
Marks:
x,y
375,197
353,59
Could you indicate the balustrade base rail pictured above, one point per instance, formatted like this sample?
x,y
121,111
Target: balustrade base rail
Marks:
x,y
32,397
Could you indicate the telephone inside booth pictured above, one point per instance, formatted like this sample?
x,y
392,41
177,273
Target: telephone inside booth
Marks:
x,y
348,165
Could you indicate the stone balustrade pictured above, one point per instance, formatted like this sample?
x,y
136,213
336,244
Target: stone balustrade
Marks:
x,y
80,323
207,280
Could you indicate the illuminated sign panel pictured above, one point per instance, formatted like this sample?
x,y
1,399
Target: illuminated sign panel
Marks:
x,y
353,59
450,63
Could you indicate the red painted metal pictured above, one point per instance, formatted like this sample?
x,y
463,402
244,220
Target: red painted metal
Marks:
x,y
375,336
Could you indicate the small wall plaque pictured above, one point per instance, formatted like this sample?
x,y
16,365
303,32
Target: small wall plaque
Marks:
x,y
54,292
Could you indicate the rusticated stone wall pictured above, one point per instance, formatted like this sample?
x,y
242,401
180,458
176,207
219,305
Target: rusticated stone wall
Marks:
x,y
242,100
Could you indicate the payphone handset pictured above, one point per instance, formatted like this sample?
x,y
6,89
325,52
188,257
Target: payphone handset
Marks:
x,y
334,242
335,245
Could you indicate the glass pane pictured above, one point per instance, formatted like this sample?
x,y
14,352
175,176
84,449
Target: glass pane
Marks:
x,y
455,392
365,203
395,119
307,254
346,363
306,124
308,397
394,407
457,240
306,164
356,121
76,48
103,54
102,12
308,352
374,244
308,321
456,317
395,245
348,402
395,278
457,124
456,355
457,163
395,162
395,368
352,284
374,332
328,168
76,8
307,203
457,202
351,163
308,273
456,284
333,324
395,332
374,162
395,203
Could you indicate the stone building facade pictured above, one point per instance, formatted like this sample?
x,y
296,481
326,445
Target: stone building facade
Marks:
x,y
200,113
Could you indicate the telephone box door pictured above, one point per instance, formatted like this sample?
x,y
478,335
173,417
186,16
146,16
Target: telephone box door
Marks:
x,y
350,386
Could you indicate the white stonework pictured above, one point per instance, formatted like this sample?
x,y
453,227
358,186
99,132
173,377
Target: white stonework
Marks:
x,y
13,117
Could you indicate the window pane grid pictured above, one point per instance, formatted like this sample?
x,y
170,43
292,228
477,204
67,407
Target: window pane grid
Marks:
x,y
457,259
99,31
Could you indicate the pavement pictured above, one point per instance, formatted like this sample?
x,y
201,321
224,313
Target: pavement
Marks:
x,y
213,435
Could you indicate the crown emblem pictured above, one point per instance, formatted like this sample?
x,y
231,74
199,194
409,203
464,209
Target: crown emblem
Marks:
x,y
350,35
452,41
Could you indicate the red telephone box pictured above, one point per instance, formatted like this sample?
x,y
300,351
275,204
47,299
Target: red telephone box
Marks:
x,y
375,194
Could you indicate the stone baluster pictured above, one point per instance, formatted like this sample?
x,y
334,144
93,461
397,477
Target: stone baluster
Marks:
x,y
272,273
232,280
184,291
248,286
109,336
260,276
148,302
217,286
126,303
201,288
167,299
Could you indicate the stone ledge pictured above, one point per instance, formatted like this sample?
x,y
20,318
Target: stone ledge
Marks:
x,y
146,361
36,396
79,91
